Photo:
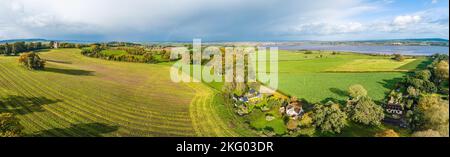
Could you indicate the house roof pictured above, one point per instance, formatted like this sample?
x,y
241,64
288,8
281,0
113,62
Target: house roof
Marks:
x,y
296,105
394,106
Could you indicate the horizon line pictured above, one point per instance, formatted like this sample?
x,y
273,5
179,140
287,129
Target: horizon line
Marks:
x,y
215,41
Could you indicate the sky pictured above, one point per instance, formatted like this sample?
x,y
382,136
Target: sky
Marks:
x,y
223,20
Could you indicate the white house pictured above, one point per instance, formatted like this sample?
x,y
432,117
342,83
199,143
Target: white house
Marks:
x,y
294,110
55,45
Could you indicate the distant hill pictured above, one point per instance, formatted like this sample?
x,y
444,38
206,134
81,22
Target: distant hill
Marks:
x,y
409,40
41,40
24,40
418,41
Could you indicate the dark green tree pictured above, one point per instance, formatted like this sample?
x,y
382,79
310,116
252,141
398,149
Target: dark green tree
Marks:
x,y
9,125
32,61
2,49
329,118
398,57
365,111
7,49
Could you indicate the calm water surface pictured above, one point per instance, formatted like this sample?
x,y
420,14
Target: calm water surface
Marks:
x,y
406,50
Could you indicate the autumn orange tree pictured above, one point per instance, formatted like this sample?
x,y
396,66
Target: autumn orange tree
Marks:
x,y
387,133
32,61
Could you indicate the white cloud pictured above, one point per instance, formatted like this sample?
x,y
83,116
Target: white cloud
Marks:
x,y
427,23
16,6
406,20
216,20
434,1
329,28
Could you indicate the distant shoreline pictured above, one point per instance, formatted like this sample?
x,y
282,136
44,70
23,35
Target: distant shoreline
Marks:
x,y
372,49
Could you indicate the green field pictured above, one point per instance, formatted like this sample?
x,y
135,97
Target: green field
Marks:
x,y
323,76
372,65
110,52
81,96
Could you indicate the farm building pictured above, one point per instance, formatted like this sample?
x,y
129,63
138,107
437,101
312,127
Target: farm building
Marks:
x,y
293,109
396,116
252,96
55,45
394,109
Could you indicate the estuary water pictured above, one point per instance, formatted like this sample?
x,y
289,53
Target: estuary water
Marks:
x,y
405,50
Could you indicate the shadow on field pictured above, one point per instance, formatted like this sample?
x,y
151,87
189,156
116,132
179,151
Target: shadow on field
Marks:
x,y
326,100
339,92
391,83
423,65
70,71
82,130
42,50
56,61
24,105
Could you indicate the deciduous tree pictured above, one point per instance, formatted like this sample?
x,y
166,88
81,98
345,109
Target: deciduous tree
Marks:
x,y
32,61
426,133
435,113
306,120
9,125
356,91
399,57
365,111
441,70
329,118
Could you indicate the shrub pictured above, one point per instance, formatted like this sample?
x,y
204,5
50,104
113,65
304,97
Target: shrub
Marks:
x,y
9,125
148,57
306,120
441,70
165,54
308,52
387,133
292,124
398,57
308,132
435,113
426,133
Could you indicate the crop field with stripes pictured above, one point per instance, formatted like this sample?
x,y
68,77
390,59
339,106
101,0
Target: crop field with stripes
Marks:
x,y
80,96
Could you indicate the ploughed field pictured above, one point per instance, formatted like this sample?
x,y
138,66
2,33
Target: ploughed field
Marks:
x,y
81,96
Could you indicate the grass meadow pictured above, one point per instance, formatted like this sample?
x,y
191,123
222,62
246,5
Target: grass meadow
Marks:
x,y
323,76
81,96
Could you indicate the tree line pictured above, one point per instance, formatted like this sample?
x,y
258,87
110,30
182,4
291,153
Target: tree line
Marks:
x,y
423,95
20,47
134,54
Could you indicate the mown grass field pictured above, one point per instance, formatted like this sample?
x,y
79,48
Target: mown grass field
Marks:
x,y
322,76
114,52
81,96
372,65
